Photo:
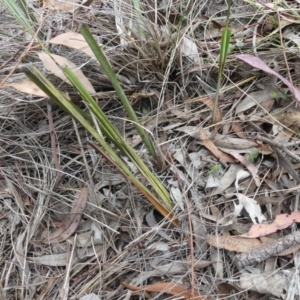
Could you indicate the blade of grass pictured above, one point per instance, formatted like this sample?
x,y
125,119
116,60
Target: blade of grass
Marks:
x,y
151,199
136,5
99,54
113,134
56,96
225,41
20,10
42,82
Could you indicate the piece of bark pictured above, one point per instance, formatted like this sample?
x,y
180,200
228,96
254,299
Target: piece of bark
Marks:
x,y
260,254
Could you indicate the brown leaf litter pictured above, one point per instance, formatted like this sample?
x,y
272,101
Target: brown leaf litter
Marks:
x,y
92,235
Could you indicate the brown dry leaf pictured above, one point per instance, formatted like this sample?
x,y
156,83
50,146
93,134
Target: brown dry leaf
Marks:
x,y
290,250
225,290
289,118
28,87
209,102
55,260
223,141
55,63
264,148
168,288
71,223
281,222
237,128
177,112
232,243
227,179
271,283
65,5
220,140
286,134
255,98
207,143
61,5
256,62
73,40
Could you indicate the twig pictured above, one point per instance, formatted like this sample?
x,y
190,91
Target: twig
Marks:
x,y
284,55
255,33
281,160
260,254
22,56
292,144
278,145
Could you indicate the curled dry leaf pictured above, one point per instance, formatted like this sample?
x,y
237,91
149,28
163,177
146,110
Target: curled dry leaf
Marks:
x,y
72,221
228,178
251,167
189,49
55,63
168,288
251,206
73,40
151,221
240,175
281,222
208,143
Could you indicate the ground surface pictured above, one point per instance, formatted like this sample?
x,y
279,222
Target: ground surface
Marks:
x,y
234,190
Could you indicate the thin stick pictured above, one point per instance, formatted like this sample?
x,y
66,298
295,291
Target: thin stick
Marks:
x,y
22,56
278,145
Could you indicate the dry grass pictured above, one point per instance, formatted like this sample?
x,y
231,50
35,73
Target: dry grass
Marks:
x,y
120,239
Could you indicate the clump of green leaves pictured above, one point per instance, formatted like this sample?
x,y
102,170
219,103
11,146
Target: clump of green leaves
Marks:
x,y
273,95
214,169
252,156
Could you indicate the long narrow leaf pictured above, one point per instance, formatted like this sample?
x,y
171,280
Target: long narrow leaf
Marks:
x,y
113,134
144,191
225,41
99,54
23,14
44,84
